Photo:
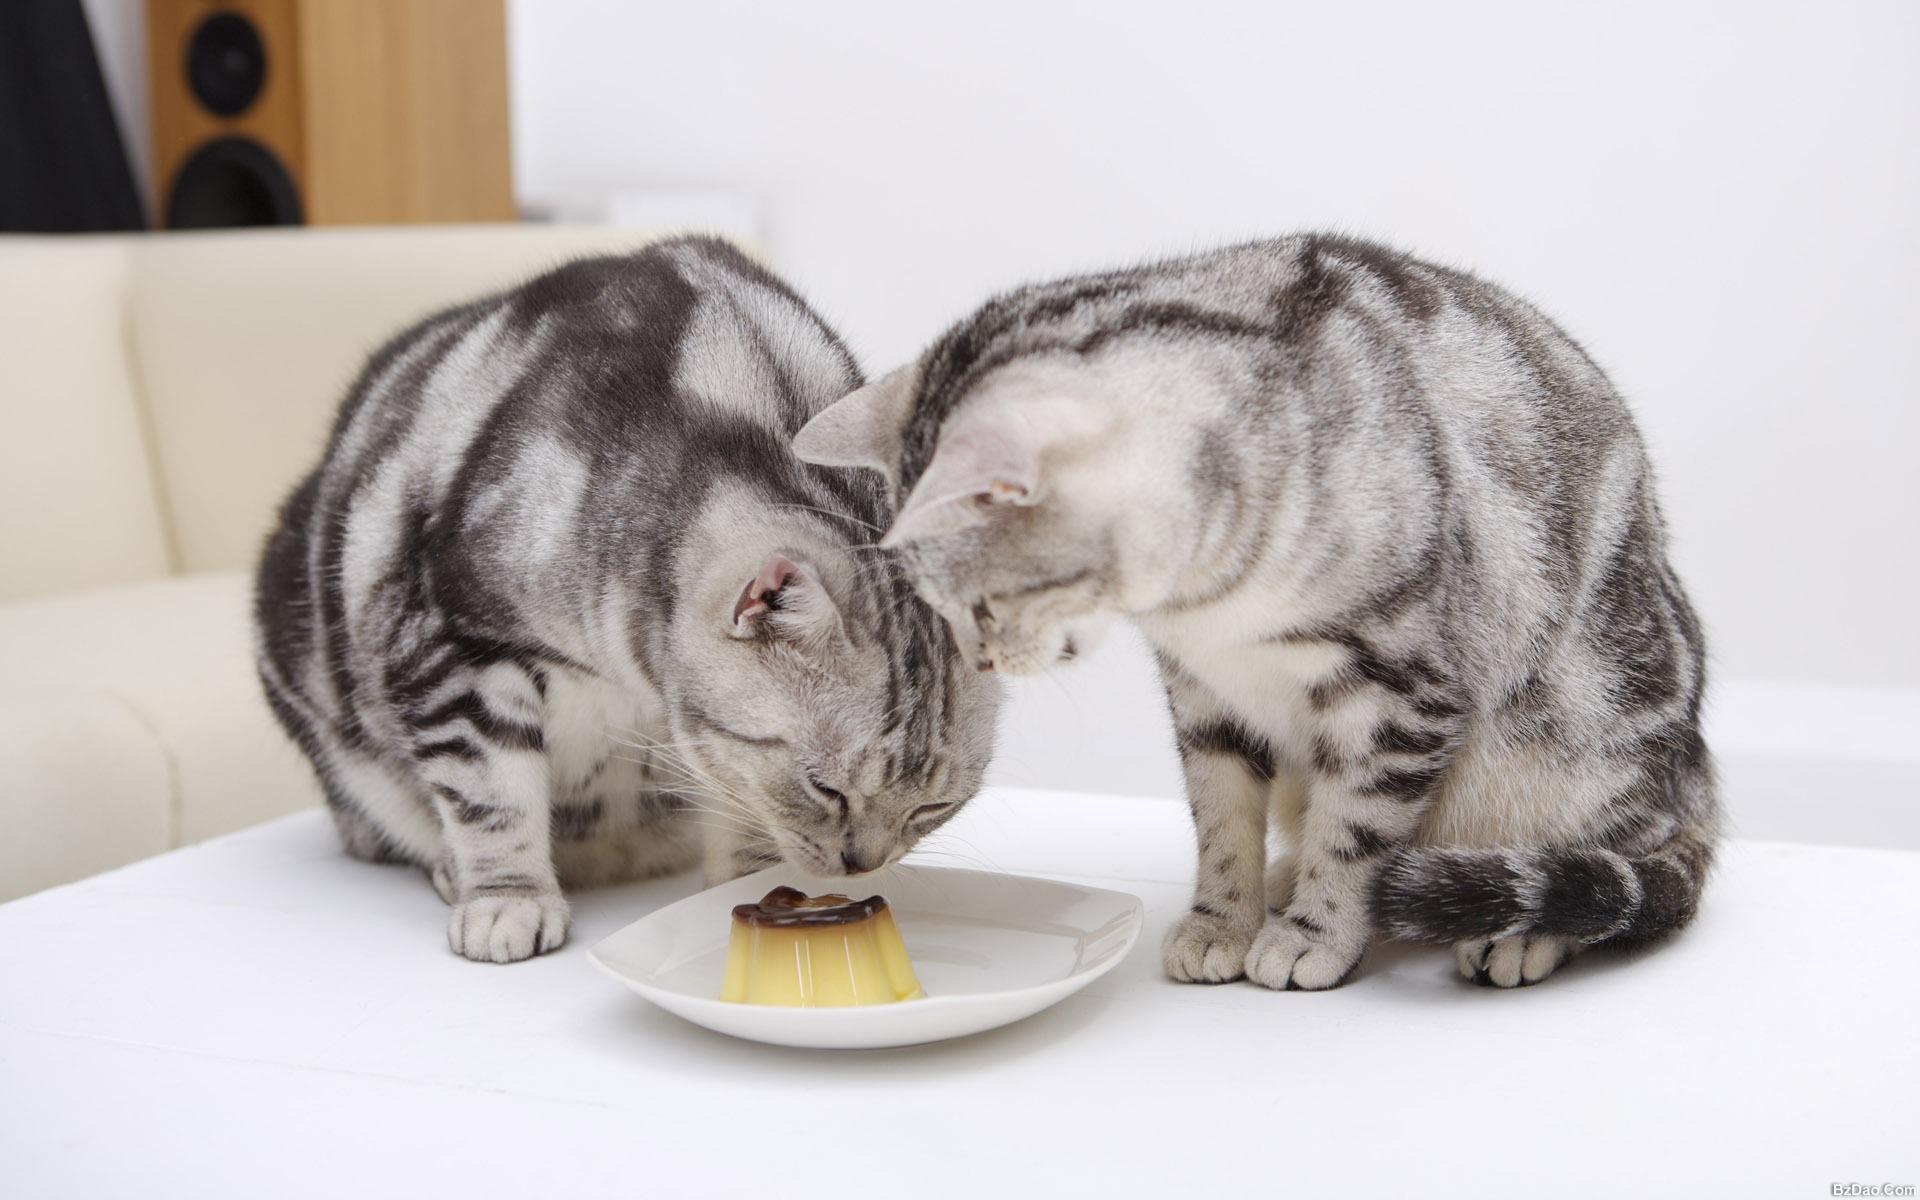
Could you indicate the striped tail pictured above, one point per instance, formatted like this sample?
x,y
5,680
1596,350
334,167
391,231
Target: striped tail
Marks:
x,y
1592,895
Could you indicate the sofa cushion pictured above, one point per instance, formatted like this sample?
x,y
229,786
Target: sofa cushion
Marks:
x,y
170,661
84,787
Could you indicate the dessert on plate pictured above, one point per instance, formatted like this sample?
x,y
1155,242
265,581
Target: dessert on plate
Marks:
x,y
817,952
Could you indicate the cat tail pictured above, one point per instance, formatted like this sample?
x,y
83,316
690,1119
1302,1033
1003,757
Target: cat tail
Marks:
x,y
1431,894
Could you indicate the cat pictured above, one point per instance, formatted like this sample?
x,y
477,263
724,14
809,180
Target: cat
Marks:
x,y
559,606
1393,538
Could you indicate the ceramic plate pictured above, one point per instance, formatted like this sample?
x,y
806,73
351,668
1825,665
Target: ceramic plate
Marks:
x,y
989,949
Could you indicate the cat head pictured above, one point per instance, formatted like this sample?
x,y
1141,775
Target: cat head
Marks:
x,y
824,715
1023,497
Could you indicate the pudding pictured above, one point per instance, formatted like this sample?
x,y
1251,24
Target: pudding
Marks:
x,y
817,952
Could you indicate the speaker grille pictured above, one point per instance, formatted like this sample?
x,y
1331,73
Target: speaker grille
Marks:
x,y
229,182
226,63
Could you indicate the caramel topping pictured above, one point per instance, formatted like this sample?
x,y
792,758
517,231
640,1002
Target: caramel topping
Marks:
x,y
786,907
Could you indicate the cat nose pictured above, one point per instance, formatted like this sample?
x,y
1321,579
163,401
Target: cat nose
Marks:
x,y
853,864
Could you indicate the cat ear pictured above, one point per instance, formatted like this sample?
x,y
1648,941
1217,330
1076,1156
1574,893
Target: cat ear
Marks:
x,y
991,458
784,600
762,595
975,470
862,428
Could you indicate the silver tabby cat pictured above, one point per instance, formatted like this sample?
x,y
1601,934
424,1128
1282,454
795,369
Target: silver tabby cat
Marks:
x,y
1394,539
560,606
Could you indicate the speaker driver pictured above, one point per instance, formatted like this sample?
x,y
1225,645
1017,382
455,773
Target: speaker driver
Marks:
x,y
230,182
226,63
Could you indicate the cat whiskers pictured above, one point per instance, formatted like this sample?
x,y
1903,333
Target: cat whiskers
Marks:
x,y
939,843
690,779
694,797
827,512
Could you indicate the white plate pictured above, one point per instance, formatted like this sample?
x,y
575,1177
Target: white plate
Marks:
x,y
989,950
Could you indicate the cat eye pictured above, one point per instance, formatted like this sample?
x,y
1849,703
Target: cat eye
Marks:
x,y
832,796
928,810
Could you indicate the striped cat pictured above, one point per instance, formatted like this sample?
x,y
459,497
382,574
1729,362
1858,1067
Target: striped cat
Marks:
x,y
559,606
1393,536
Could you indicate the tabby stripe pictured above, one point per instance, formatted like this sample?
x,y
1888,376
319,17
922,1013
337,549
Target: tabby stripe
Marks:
x,y
422,673
1327,693
1403,677
700,717
1310,298
471,812
1415,296
1228,737
1367,842
575,822
1410,783
501,884
1398,739
1325,760
502,731
1186,319
1063,304
1437,708
458,747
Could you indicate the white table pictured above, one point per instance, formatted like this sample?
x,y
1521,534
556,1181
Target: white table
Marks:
x,y
260,1016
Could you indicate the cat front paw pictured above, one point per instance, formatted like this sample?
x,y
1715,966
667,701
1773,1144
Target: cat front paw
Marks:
x,y
1203,948
504,929
1284,957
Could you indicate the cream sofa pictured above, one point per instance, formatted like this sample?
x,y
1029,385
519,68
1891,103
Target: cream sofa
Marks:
x,y
161,394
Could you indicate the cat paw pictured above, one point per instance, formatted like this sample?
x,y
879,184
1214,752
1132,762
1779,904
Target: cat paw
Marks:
x,y
1514,961
506,929
442,879
1202,948
1284,958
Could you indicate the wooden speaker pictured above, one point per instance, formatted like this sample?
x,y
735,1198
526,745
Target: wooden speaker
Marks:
x,y
329,112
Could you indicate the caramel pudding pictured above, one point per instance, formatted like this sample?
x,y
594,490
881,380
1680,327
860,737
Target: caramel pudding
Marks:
x,y
817,952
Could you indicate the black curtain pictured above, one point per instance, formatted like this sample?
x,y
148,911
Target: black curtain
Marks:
x,y
62,167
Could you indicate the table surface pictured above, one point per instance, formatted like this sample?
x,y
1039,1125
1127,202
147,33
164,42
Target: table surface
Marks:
x,y
259,1015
